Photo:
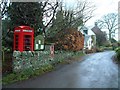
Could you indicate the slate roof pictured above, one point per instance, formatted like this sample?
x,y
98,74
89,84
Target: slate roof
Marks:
x,y
96,29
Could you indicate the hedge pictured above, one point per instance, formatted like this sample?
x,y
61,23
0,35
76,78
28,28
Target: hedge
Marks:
x,y
118,53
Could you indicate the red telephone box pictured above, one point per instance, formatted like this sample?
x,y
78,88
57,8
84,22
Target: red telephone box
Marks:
x,y
23,38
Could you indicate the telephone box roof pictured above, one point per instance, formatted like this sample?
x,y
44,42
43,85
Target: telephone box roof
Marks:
x,y
24,27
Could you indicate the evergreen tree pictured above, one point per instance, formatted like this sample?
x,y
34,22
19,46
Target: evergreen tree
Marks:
x,y
25,13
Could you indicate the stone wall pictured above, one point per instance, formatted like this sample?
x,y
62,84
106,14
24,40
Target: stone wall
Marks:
x,y
37,59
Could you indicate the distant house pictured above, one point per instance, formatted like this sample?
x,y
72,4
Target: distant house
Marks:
x,y
100,35
89,37
96,29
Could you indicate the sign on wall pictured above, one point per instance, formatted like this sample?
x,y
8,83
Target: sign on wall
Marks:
x,y
39,42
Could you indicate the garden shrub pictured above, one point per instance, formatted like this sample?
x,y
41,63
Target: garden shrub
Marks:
x,y
87,51
99,49
70,39
118,53
108,48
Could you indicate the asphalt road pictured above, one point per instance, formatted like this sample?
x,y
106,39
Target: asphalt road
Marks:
x,y
95,71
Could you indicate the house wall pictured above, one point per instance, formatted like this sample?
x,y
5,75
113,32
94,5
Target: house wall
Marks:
x,y
89,43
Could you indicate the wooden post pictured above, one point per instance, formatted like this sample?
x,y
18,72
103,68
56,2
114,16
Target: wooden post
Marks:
x,y
52,50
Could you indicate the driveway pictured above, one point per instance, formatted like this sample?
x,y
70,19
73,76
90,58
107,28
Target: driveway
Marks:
x,y
95,71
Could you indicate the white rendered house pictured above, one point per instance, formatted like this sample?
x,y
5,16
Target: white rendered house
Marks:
x,y
89,37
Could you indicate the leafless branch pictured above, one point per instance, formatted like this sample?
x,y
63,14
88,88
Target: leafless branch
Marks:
x,y
109,22
3,8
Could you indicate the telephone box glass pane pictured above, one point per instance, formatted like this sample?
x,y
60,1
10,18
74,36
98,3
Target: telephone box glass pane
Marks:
x,y
27,43
16,42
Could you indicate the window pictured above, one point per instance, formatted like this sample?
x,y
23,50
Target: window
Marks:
x,y
86,31
16,42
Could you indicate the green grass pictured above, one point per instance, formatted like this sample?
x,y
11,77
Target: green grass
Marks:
x,y
26,74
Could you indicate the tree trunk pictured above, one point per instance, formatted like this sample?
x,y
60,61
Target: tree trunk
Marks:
x,y
0,36
110,35
44,32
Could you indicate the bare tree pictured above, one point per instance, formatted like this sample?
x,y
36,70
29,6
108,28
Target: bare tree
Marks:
x,y
85,9
49,11
4,7
109,22
82,11
67,17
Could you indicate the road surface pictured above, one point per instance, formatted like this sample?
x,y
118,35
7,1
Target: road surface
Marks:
x,y
95,71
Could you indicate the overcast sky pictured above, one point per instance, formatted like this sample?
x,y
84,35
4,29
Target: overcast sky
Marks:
x,y
103,7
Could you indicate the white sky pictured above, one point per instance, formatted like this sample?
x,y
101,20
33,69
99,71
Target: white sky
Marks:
x,y
103,7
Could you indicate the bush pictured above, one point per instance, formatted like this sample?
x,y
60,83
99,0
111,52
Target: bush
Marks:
x,y
114,45
101,49
108,48
87,51
70,40
118,53
107,44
